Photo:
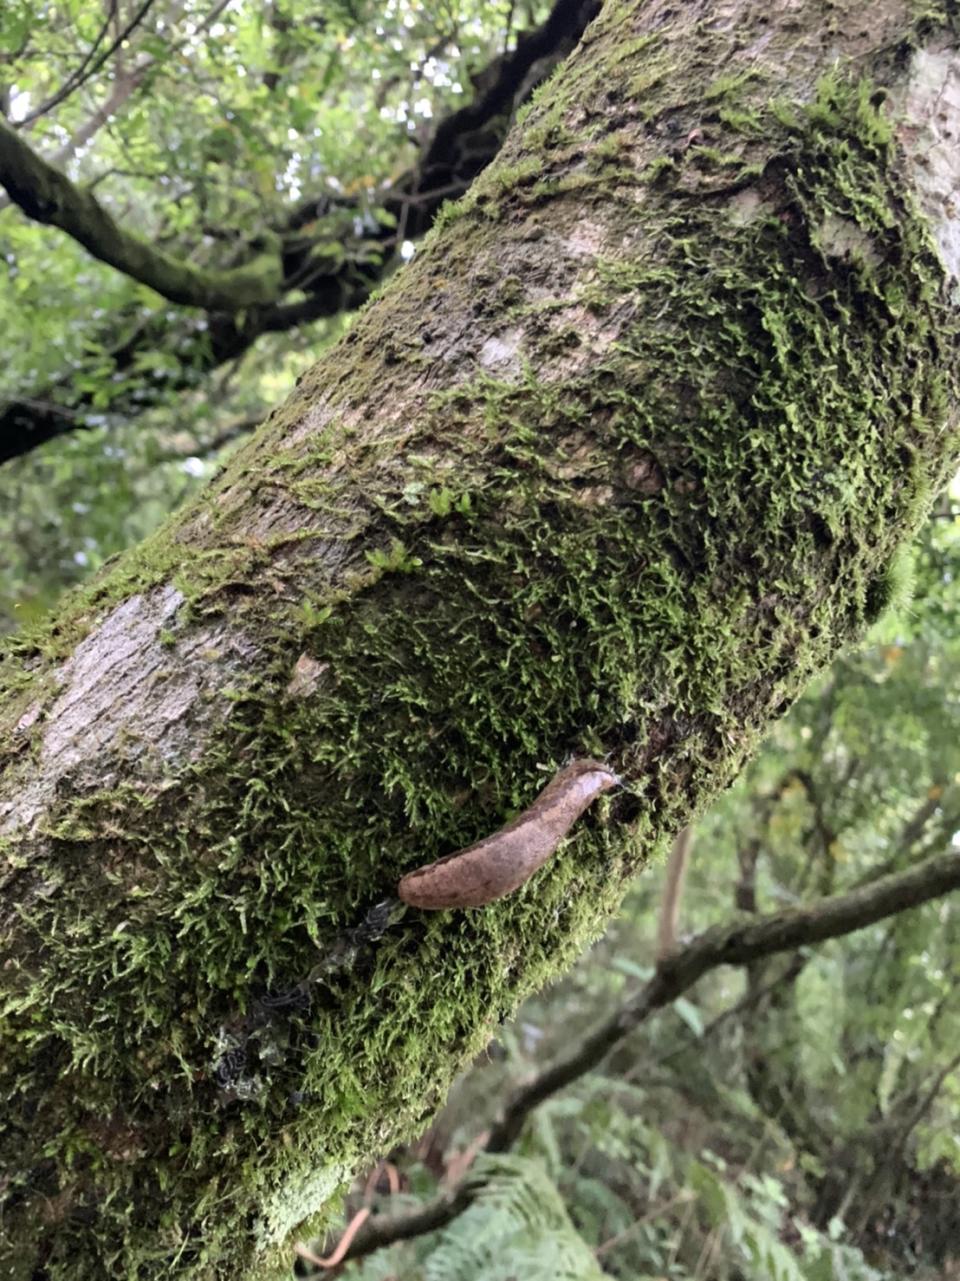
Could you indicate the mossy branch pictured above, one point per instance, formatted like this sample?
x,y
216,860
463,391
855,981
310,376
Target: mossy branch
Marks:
x,y
47,195
609,469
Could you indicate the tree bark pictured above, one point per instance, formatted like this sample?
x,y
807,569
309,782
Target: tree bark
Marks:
x,y
619,461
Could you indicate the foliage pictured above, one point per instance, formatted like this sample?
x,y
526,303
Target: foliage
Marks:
x,y
68,507
517,1224
236,112
224,119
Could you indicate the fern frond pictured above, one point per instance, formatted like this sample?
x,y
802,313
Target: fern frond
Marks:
x,y
517,1226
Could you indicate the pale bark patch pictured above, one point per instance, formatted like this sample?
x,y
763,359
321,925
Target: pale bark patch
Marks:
x,y
929,132
500,352
306,677
28,718
127,702
313,422
586,239
842,238
747,206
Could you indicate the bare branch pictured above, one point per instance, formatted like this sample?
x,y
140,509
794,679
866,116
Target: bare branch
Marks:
x,y
85,71
673,892
732,944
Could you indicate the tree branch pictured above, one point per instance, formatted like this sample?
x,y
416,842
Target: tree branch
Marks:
x,y
733,944
673,891
85,70
202,344
47,195
123,87
464,142
736,944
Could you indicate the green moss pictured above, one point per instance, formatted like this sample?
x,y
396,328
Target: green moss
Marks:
x,y
745,121
852,109
712,158
660,168
395,559
731,84
891,590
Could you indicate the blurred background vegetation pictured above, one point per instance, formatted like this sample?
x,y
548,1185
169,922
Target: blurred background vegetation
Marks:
x,y
795,1119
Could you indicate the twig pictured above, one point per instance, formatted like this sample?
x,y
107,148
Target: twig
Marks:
x,y
336,1258
683,1197
925,1103
82,74
74,79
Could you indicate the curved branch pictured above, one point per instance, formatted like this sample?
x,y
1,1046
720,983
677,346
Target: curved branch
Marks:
x,y
47,195
201,345
465,141
733,944
123,87
505,78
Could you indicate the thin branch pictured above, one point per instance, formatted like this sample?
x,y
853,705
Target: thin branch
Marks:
x,y
84,71
914,829
74,78
673,892
737,943
123,87
924,1103
382,1230
203,343
750,998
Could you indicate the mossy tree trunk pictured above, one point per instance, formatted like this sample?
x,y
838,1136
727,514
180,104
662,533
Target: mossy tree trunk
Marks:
x,y
620,460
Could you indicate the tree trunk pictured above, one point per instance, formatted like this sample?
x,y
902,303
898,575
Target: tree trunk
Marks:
x,y
610,469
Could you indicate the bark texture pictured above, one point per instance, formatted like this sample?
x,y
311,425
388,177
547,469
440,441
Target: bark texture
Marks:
x,y
619,461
